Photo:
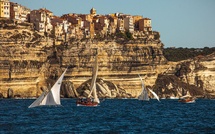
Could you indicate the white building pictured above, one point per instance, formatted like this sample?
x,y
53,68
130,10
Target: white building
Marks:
x,y
41,19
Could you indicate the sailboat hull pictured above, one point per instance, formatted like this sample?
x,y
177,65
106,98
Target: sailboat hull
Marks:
x,y
92,100
86,102
186,100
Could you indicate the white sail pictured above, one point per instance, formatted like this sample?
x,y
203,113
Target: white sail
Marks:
x,y
52,97
155,95
96,99
93,82
144,93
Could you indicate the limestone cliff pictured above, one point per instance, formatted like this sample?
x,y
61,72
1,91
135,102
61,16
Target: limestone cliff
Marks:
x,y
31,62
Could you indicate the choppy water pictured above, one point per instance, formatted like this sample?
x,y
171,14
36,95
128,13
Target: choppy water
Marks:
x,y
112,116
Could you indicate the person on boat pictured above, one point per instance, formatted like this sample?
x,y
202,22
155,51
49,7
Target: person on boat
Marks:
x,y
80,99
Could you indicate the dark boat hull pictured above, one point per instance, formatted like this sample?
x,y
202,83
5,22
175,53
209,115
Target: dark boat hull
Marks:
x,y
86,102
186,100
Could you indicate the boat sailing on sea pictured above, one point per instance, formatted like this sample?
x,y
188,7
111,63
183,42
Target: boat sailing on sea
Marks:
x,y
92,99
186,98
52,97
144,94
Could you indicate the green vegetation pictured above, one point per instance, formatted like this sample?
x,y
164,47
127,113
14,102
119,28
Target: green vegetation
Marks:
x,y
128,35
125,36
178,54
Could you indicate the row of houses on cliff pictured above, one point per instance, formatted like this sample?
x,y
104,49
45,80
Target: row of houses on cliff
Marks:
x,y
74,25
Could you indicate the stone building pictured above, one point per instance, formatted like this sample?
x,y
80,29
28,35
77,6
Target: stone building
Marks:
x,y
112,24
145,25
129,24
85,17
41,19
136,19
60,28
120,25
19,13
4,9
74,19
75,32
101,24
93,12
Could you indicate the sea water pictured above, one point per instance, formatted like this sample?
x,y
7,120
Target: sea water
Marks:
x,y
112,116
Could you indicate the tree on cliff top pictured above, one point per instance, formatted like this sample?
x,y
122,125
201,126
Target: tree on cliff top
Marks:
x,y
178,54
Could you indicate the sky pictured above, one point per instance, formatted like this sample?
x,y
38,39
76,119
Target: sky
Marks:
x,y
181,23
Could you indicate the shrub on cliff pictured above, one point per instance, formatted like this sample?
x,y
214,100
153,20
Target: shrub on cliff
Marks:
x,y
178,54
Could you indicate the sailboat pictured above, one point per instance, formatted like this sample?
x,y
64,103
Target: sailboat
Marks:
x,y
186,98
144,94
52,97
92,99
155,95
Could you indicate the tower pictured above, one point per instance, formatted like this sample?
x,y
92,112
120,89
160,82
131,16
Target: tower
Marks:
x,y
93,11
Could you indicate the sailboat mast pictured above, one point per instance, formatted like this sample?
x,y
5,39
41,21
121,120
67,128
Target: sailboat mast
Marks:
x,y
94,75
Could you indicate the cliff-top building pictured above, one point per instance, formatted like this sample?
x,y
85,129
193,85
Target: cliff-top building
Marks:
x,y
41,19
93,12
4,9
71,25
129,24
136,19
60,28
19,13
145,25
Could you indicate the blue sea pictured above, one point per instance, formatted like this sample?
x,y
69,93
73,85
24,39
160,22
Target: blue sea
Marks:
x,y
113,116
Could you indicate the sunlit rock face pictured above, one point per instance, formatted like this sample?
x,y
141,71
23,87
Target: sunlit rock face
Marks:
x,y
194,76
31,63
118,63
202,73
170,86
105,89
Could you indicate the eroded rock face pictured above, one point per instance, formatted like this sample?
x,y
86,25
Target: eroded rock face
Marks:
x,y
194,76
105,89
68,90
29,60
167,86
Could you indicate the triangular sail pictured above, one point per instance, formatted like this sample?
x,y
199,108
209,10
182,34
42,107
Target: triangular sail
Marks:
x,y
93,82
52,97
144,93
155,95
